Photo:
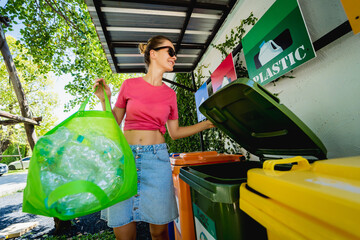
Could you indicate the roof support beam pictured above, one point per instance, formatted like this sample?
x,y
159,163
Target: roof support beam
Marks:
x,y
184,27
137,70
135,45
212,6
155,12
156,30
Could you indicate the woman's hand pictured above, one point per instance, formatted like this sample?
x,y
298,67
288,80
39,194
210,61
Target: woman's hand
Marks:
x,y
99,91
209,124
176,132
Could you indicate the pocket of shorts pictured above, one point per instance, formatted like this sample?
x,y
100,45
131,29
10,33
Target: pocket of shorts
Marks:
x,y
162,155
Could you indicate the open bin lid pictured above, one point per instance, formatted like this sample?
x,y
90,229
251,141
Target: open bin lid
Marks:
x,y
256,119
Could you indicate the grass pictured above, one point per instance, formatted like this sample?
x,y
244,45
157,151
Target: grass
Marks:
x,y
106,235
16,171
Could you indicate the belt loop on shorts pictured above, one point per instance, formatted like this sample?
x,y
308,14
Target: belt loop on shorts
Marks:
x,y
154,149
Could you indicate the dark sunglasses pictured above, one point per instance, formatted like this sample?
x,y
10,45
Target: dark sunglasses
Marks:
x,y
171,51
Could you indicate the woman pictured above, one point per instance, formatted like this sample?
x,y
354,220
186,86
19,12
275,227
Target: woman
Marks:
x,y
149,104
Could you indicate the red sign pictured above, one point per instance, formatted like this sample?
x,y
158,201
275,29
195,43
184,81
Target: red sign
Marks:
x,y
224,73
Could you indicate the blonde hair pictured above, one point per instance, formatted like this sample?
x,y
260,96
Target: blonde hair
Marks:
x,y
152,43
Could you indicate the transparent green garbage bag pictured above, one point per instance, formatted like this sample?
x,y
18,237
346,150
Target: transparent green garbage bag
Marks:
x,y
81,166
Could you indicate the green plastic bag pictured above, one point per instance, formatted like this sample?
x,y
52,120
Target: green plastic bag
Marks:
x,y
81,166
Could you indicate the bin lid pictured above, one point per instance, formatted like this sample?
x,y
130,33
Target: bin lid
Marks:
x,y
198,158
256,119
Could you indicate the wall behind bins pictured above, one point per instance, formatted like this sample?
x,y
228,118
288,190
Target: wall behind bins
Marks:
x,y
325,93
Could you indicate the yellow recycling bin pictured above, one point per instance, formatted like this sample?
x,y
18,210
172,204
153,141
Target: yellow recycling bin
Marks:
x,y
310,201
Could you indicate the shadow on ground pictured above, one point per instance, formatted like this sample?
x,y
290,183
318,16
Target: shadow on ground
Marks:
x,y
11,213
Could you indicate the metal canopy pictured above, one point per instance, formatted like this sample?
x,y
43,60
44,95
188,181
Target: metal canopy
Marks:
x,y
190,24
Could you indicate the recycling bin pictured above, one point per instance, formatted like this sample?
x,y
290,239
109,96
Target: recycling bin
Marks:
x,y
184,225
258,122
310,201
215,198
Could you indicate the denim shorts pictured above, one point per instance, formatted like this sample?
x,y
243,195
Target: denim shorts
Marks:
x,y
155,200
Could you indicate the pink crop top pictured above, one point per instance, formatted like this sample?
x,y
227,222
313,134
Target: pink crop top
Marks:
x,y
147,107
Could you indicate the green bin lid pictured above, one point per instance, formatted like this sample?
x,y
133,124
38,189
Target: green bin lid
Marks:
x,y
256,119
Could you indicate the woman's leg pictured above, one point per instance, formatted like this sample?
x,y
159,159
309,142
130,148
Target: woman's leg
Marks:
x,y
159,232
126,232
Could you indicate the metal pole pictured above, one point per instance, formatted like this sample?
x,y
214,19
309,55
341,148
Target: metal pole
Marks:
x,y
200,133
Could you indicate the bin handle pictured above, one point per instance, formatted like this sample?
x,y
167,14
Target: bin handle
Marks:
x,y
302,163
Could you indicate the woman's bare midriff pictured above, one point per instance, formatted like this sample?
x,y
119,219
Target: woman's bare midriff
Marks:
x,y
144,137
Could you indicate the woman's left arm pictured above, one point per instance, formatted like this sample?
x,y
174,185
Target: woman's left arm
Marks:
x,y
176,132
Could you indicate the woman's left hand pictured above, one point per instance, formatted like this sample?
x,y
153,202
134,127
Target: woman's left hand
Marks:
x,y
209,124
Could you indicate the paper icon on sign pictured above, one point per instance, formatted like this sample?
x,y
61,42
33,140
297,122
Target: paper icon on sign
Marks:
x,y
225,81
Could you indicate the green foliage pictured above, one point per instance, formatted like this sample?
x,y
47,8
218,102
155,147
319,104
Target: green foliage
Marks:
x,y
13,150
236,35
61,37
35,84
232,41
187,116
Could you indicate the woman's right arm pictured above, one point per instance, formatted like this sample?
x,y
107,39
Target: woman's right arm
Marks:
x,y
117,112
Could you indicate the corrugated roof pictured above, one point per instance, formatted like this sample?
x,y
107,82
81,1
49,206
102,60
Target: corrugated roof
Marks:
x,y
190,24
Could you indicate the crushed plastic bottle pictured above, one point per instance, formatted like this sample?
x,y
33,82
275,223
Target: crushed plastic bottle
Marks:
x,y
67,156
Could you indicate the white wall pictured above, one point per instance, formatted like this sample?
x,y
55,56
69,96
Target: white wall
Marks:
x,y
325,93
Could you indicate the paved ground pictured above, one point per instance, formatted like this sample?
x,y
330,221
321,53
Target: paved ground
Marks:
x,y
11,213
10,183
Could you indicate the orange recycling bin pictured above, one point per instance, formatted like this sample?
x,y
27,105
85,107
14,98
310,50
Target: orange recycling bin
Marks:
x,y
184,225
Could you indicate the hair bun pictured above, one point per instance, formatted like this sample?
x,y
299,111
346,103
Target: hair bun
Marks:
x,y
142,47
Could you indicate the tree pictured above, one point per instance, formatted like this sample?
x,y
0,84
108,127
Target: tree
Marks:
x,y
36,86
61,37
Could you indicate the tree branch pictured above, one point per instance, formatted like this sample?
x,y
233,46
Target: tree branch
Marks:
x,y
58,11
18,118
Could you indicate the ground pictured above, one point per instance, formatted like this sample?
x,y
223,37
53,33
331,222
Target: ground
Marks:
x,y
11,212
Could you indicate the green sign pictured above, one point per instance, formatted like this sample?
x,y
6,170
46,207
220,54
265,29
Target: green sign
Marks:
x,y
205,226
278,42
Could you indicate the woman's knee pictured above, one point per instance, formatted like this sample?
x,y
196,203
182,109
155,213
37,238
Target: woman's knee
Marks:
x,y
126,232
159,232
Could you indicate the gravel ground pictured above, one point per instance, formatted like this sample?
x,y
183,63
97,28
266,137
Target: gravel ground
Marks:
x,y
11,213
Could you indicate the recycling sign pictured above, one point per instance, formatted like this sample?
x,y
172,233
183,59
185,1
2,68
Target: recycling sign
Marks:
x,y
278,42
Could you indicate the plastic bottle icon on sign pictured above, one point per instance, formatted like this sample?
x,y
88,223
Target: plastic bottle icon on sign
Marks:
x,y
268,50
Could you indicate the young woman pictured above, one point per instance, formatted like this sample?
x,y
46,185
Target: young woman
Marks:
x,y
149,104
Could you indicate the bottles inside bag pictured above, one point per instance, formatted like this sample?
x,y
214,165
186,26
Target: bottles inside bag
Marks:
x,y
67,156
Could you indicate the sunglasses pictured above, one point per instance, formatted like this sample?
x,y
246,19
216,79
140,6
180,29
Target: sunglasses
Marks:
x,y
171,51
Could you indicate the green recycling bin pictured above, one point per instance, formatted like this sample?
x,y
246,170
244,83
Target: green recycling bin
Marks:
x,y
255,119
215,197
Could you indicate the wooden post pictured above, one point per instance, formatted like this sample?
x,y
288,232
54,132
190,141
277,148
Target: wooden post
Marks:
x,y
19,91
